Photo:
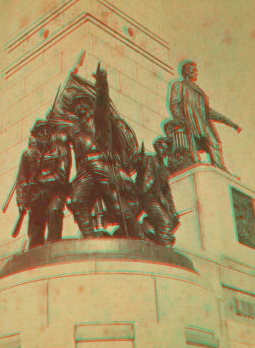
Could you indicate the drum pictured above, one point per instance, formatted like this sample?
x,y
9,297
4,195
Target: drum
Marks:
x,y
180,140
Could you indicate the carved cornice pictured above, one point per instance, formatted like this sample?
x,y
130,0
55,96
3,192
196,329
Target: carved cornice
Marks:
x,y
83,17
134,23
38,24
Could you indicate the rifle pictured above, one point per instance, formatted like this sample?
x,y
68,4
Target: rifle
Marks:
x,y
9,196
13,188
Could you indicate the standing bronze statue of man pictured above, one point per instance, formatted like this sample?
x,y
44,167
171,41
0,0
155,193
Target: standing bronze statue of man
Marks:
x,y
189,106
42,185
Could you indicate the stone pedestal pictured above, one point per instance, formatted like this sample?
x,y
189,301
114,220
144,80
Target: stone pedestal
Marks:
x,y
105,293
204,197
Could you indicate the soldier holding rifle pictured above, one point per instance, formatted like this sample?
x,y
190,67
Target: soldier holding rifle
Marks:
x,y
155,195
42,184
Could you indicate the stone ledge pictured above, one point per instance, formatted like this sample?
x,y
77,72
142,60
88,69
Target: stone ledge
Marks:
x,y
71,250
208,168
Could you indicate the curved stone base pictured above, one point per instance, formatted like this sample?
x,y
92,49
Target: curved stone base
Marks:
x,y
105,293
70,250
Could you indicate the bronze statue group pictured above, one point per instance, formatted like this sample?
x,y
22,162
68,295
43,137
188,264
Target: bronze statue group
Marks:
x,y
84,120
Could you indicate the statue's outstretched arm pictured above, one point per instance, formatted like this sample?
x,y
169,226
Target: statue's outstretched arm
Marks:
x,y
217,117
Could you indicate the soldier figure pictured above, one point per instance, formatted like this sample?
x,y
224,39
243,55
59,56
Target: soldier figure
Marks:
x,y
89,129
155,195
42,185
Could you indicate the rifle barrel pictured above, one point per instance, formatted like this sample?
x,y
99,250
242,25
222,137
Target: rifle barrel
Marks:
x,y
9,196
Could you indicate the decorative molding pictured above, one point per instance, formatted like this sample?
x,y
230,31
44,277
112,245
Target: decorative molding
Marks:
x,y
38,24
240,266
63,6
66,28
10,341
134,23
83,18
238,290
23,60
196,336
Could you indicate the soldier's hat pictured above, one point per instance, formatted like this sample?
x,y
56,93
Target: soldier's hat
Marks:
x,y
78,98
39,126
81,99
172,125
159,140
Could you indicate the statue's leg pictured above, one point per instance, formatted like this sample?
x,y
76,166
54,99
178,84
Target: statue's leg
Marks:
x,y
84,220
55,218
193,149
215,150
126,204
124,214
160,220
37,224
134,228
83,198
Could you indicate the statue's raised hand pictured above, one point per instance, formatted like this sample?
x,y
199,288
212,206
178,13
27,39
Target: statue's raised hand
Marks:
x,y
101,75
